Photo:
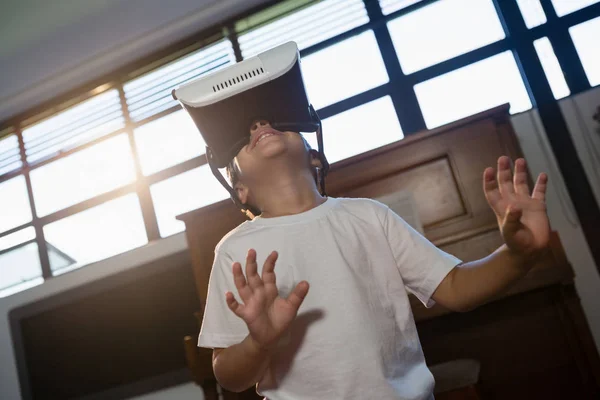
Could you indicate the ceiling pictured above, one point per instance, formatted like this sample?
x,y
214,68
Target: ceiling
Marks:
x,y
50,47
25,22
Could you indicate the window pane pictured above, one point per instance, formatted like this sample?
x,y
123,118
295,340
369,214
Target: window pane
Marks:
x,y
182,193
307,27
564,7
168,141
150,94
22,236
10,157
585,36
472,89
389,6
18,268
14,203
77,125
443,30
360,129
99,232
329,78
551,67
533,12
82,175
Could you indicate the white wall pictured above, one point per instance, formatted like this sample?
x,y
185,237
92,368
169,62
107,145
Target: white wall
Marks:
x,y
579,111
9,383
537,151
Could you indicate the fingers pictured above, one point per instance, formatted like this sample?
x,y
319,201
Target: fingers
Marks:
x,y
268,272
240,282
505,181
490,187
298,294
512,220
254,280
520,178
233,305
539,190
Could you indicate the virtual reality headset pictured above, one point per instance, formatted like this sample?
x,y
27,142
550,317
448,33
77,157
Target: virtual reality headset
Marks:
x,y
269,87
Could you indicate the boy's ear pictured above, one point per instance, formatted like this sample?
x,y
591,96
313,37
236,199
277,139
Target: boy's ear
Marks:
x,y
242,192
315,160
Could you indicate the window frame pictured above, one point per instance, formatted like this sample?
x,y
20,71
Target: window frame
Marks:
x,y
519,39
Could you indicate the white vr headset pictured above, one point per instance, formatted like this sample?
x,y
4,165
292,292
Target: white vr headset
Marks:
x,y
224,104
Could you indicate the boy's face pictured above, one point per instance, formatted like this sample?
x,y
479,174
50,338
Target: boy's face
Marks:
x,y
257,159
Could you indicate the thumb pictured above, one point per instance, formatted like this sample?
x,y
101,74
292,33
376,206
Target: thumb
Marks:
x,y
298,294
512,220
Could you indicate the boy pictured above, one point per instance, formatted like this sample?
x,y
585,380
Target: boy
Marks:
x,y
352,335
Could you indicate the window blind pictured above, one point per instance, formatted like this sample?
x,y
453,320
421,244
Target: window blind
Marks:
x,y
150,94
308,26
389,6
77,125
10,157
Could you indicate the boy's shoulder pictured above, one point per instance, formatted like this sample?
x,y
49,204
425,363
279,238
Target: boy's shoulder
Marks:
x,y
233,235
361,205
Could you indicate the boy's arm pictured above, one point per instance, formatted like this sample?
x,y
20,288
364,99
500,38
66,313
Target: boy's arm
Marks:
x,y
526,231
267,316
240,366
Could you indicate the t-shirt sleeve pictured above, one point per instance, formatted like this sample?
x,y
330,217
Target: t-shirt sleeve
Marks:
x,y
422,265
220,326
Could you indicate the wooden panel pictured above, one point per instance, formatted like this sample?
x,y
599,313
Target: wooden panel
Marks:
x,y
516,341
436,192
467,149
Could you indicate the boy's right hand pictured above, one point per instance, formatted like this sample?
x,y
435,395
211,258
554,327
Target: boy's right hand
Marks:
x,y
266,314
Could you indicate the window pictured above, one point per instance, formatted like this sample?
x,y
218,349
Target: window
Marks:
x,y
150,94
343,70
16,238
168,141
551,67
360,129
585,36
389,6
19,261
83,175
443,30
10,157
78,125
14,203
99,232
473,89
532,12
309,26
182,193
20,269
564,7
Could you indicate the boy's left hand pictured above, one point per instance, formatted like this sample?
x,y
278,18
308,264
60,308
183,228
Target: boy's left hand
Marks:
x,y
521,217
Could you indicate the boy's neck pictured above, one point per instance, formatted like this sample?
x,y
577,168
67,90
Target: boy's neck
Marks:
x,y
288,196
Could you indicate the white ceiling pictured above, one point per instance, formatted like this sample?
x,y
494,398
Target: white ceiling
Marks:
x,y
48,47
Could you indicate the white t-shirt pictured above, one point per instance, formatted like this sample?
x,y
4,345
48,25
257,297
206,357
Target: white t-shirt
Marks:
x,y
355,335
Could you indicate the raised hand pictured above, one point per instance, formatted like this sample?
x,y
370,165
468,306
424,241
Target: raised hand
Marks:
x,y
522,217
266,314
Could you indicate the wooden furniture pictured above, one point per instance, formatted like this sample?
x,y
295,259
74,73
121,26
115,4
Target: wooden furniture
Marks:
x,y
532,342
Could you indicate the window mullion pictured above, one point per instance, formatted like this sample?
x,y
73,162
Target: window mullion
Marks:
x,y
402,92
142,186
39,231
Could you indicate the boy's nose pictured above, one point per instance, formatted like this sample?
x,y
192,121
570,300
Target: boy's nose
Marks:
x,y
257,125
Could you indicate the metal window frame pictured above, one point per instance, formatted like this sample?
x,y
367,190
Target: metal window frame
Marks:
x,y
400,87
